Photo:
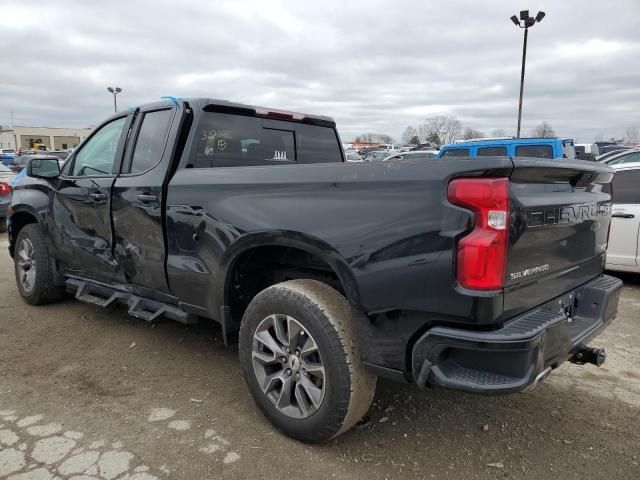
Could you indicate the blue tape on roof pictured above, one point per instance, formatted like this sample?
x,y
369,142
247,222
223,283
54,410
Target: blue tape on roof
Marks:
x,y
174,100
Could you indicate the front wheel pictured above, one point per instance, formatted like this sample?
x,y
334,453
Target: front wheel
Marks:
x,y
301,360
33,267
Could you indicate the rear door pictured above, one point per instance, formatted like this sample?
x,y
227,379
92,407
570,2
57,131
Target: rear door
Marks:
x,y
625,222
138,199
560,214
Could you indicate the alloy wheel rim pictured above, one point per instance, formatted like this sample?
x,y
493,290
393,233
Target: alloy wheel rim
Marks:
x,y
26,265
288,366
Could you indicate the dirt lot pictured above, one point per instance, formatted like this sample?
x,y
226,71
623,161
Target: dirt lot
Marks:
x,y
85,390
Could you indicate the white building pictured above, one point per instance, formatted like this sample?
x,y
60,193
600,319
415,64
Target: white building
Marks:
x,y
54,138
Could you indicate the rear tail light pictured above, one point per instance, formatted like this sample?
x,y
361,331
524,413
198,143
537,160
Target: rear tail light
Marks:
x,y
5,188
482,253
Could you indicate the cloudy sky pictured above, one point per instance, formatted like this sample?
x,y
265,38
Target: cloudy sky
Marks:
x,y
375,66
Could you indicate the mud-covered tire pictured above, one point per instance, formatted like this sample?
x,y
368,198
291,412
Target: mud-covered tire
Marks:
x,y
42,289
326,316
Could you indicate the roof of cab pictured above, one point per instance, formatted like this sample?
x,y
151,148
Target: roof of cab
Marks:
x,y
503,141
219,105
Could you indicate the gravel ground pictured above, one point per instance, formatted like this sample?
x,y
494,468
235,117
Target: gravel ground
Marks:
x,y
86,393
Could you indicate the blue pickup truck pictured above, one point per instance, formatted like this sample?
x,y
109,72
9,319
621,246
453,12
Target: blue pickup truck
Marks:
x,y
512,147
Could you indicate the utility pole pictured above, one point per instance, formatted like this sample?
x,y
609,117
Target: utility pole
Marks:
x,y
525,22
115,91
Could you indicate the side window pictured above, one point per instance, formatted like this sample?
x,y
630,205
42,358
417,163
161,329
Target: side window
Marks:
x,y
535,151
316,144
151,139
98,154
492,151
456,152
632,157
625,187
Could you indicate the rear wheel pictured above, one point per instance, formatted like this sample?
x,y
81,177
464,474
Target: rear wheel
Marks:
x,y
301,360
33,267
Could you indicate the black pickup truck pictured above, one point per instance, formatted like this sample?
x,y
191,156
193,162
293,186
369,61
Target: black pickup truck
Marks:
x,y
477,274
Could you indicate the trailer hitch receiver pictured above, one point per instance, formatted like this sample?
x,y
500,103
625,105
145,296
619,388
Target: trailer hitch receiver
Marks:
x,y
583,355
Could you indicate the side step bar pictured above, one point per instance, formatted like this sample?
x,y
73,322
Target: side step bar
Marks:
x,y
144,308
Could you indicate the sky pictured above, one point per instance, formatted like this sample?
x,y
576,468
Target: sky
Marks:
x,y
374,66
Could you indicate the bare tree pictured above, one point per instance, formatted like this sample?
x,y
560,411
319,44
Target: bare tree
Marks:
x,y
443,128
544,130
498,132
470,133
631,134
408,135
431,127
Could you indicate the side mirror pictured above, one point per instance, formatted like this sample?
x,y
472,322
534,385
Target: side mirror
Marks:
x,y
45,168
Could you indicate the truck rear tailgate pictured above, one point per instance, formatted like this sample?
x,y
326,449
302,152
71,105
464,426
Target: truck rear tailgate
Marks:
x,y
559,217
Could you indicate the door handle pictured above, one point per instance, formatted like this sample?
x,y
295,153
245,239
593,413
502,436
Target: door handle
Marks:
x,y
98,197
623,215
145,197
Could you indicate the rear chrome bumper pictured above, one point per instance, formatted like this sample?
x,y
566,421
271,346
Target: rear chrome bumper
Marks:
x,y
516,357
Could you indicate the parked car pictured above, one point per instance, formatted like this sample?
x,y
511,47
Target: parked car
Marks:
x,y
622,252
604,156
375,156
413,155
6,175
6,159
604,147
354,157
8,151
549,148
460,274
587,151
61,154
625,156
20,162
426,146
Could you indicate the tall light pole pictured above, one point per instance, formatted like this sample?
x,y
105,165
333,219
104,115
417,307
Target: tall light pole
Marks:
x,y
115,92
525,22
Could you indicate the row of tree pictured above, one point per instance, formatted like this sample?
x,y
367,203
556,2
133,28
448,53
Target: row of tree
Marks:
x,y
443,129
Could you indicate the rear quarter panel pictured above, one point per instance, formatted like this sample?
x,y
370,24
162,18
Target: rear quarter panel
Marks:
x,y
386,228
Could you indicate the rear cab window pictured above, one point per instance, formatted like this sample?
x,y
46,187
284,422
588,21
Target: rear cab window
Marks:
x,y
232,140
535,151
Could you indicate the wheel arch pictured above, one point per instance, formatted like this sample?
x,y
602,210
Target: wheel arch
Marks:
x,y
21,215
262,243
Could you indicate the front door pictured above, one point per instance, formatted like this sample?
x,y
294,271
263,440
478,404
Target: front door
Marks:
x,y
625,221
81,228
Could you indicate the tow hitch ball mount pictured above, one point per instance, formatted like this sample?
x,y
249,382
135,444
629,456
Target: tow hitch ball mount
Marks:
x,y
584,354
